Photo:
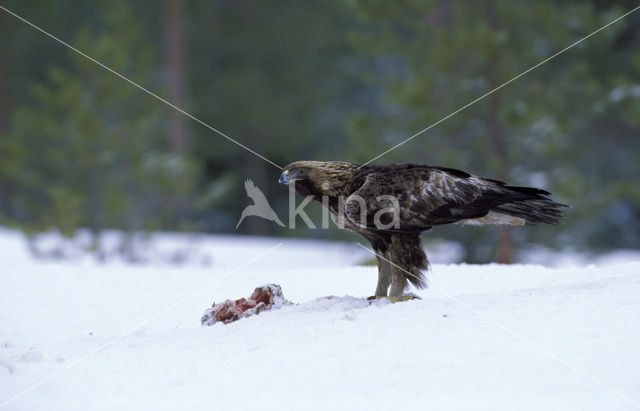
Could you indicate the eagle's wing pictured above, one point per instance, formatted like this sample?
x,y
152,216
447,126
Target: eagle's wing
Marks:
x,y
421,196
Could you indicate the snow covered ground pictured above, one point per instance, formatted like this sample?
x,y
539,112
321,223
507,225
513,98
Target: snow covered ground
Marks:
x,y
83,336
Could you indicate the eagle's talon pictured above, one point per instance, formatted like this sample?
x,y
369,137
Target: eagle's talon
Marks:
x,y
393,300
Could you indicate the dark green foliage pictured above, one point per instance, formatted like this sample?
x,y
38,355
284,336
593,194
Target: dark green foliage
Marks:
x,y
562,126
89,150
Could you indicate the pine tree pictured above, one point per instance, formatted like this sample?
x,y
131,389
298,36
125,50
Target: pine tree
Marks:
x,y
90,151
433,57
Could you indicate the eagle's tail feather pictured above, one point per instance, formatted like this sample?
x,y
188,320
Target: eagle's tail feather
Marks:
x,y
533,206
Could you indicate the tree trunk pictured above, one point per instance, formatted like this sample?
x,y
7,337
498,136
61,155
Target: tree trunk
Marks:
x,y
175,72
499,145
175,77
5,112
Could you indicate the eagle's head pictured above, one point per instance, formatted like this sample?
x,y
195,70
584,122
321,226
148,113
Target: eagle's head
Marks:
x,y
318,177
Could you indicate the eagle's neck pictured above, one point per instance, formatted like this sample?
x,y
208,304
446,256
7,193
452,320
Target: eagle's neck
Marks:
x,y
305,188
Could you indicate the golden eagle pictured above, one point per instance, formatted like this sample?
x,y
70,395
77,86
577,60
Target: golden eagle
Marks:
x,y
390,205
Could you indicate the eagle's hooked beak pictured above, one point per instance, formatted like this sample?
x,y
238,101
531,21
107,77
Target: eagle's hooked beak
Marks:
x,y
284,178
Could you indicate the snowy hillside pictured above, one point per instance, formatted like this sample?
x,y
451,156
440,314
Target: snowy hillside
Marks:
x,y
83,336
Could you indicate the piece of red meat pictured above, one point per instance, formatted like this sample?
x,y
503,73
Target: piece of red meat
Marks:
x,y
263,298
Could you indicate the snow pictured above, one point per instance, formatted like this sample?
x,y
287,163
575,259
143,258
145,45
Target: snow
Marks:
x,y
128,336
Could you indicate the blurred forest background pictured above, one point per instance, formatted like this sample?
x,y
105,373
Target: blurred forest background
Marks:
x,y
327,80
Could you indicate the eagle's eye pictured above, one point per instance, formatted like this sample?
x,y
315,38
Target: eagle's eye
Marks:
x,y
302,172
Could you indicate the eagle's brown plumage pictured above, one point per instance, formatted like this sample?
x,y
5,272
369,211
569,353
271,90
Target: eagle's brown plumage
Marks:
x,y
367,199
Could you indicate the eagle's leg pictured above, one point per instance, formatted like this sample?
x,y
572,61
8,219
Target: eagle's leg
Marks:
x,y
398,282
384,276
408,260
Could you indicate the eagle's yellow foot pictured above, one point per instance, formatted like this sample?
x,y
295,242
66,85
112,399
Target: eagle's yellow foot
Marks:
x,y
394,300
